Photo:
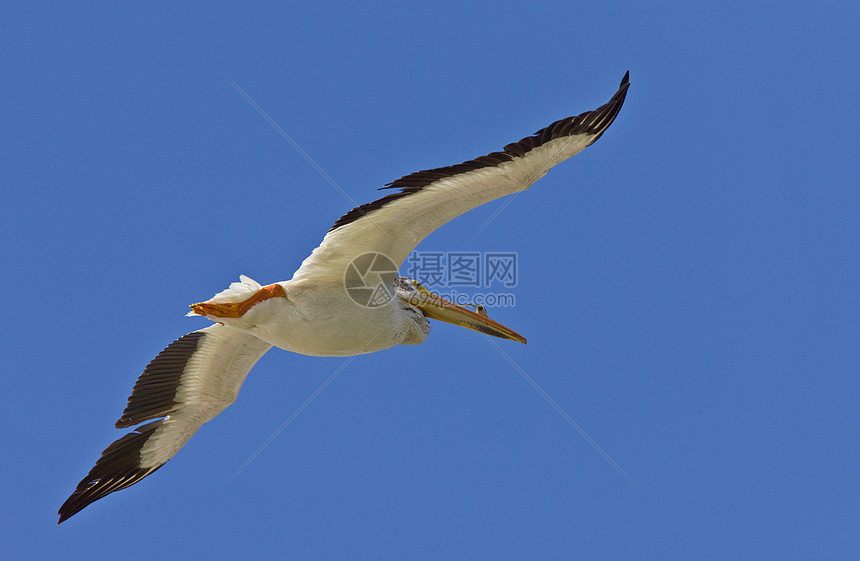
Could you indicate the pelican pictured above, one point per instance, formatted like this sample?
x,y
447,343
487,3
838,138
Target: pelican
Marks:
x,y
345,299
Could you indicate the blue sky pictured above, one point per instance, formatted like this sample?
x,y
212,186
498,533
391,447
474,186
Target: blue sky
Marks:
x,y
688,285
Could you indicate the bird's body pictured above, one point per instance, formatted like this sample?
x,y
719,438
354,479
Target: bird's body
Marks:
x,y
344,300
319,318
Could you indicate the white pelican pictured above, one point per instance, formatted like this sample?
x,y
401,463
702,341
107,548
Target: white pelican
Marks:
x,y
345,299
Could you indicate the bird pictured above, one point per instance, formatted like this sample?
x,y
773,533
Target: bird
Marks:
x,y
345,299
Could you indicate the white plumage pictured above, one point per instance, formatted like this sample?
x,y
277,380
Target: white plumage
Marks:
x,y
345,299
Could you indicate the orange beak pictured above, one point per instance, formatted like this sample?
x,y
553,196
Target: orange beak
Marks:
x,y
436,307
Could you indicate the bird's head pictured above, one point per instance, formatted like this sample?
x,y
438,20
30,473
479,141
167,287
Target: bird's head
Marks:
x,y
433,306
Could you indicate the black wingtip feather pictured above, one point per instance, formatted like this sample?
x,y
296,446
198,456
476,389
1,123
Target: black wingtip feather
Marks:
x,y
591,122
119,467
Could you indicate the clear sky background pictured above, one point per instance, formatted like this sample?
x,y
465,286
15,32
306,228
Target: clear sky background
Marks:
x,y
688,285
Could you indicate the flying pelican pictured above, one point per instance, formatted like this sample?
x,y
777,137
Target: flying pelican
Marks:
x,y
344,300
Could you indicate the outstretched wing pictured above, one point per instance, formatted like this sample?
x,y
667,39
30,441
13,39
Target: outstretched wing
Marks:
x,y
396,223
187,384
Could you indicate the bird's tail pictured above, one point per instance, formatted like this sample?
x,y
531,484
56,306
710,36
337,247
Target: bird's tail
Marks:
x,y
236,300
